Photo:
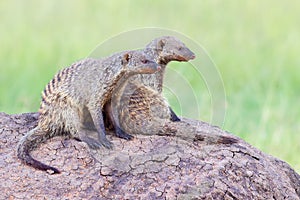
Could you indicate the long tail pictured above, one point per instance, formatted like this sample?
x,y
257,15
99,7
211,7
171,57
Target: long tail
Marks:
x,y
189,132
29,142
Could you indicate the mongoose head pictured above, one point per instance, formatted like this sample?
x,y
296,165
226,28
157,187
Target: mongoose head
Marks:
x,y
137,62
169,49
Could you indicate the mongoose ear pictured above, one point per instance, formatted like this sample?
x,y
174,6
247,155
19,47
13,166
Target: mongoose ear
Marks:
x,y
125,59
161,44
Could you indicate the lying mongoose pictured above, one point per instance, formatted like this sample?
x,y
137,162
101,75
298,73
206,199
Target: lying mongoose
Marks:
x,y
73,101
143,110
163,50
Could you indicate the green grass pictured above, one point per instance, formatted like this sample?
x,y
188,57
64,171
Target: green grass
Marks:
x,y
254,44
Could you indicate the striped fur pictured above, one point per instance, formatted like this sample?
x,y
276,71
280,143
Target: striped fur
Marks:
x,y
75,97
139,108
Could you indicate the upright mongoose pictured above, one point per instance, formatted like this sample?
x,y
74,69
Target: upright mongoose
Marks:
x,y
163,50
75,96
142,110
138,106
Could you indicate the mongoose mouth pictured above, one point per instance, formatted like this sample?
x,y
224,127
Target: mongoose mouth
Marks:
x,y
181,58
151,67
158,67
191,56
165,60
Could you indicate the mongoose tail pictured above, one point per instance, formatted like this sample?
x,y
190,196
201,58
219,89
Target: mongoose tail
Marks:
x,y
27,144
211,139
188,132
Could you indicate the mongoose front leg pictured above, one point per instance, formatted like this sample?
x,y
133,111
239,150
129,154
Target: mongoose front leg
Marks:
x,y
114,120
93,144
173,116
99,125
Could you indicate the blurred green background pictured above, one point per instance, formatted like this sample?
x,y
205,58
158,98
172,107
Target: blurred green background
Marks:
x,y
254,44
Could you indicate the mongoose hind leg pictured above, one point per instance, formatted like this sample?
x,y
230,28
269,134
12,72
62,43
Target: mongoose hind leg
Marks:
x,y
113,120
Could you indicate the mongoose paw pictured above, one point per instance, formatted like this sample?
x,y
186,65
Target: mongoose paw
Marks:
x,y
106,143
175,119
93,144
121,134
173,116
77,139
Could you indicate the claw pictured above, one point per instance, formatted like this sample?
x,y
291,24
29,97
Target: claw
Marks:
x,y
173,116
121,134
107,144
93,144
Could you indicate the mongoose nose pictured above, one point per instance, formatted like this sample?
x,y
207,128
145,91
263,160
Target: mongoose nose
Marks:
x,y
192,56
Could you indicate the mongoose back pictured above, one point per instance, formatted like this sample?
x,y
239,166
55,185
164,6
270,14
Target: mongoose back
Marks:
x,y
163,50
74,98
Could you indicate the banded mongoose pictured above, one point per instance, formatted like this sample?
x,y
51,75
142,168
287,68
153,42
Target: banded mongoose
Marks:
x,y
143,110
73,101
163,50
138,106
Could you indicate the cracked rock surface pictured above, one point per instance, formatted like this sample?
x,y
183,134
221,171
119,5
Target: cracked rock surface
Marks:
x,y
148,167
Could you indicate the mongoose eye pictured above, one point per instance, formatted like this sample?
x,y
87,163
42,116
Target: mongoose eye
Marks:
x,y
180,48
145,61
